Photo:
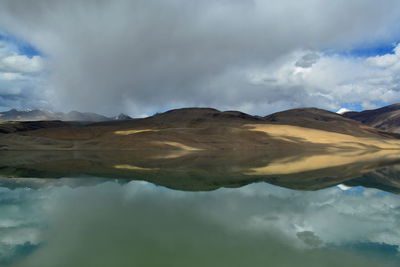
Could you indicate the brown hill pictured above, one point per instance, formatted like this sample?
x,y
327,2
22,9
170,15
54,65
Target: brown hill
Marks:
x,y
323,120
385,119
13,127
192,129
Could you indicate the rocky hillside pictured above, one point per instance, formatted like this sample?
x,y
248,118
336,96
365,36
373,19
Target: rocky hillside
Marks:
x,y
385,118
322,120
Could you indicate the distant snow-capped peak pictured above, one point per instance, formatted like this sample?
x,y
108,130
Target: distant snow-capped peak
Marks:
x,y
342,111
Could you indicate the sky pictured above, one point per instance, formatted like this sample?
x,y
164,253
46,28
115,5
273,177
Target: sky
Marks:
x,y
145,56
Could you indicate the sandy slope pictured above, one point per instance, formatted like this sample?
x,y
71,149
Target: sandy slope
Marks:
x,y
297,134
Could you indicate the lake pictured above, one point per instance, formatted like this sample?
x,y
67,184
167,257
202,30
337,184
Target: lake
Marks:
x,y
174,208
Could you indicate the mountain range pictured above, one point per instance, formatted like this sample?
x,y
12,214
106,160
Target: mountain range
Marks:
x,y
386,119
199,129
202,129
43,115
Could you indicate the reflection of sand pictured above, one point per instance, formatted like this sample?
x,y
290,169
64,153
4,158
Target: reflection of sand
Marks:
x,y
301,134
177,145
133,168
314,162
128,132
173,154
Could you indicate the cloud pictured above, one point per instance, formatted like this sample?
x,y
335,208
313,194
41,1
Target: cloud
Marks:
x,y
21,78
307,60
21,64
387,60
145,56
20,222
333,80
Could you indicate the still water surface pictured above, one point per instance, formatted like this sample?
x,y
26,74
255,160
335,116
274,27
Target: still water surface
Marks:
x,y
105,221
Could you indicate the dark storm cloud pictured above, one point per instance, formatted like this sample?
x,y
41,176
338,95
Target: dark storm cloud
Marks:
x,y
143,56
307,60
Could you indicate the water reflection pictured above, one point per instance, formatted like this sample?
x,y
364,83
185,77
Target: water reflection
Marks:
x,y
158,208
202,171
140,224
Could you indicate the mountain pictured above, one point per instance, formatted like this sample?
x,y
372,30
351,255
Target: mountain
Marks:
x,y
322,120
31,115
79,116
385,118
194,129
42,115
121,117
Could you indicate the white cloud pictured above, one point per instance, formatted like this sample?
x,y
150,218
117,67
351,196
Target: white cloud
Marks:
x,y
12,61
11,76
334,79
21,64
21,79
383,61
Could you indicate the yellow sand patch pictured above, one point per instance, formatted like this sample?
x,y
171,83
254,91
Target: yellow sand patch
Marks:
x,y
306,135
128,132
315,162
133,168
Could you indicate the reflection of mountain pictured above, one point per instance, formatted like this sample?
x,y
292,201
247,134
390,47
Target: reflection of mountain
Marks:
x,y
201,129
198,171
386,178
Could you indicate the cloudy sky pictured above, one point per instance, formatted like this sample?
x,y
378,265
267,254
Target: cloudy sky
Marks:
x,y
144,56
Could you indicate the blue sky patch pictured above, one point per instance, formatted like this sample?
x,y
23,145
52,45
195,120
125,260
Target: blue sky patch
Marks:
x,y
21,45
366,51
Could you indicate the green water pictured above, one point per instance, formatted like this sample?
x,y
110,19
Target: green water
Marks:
x,y
111,220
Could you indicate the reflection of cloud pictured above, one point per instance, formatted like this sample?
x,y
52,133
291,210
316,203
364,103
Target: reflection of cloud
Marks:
x,y
309,238
20,222
263,224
